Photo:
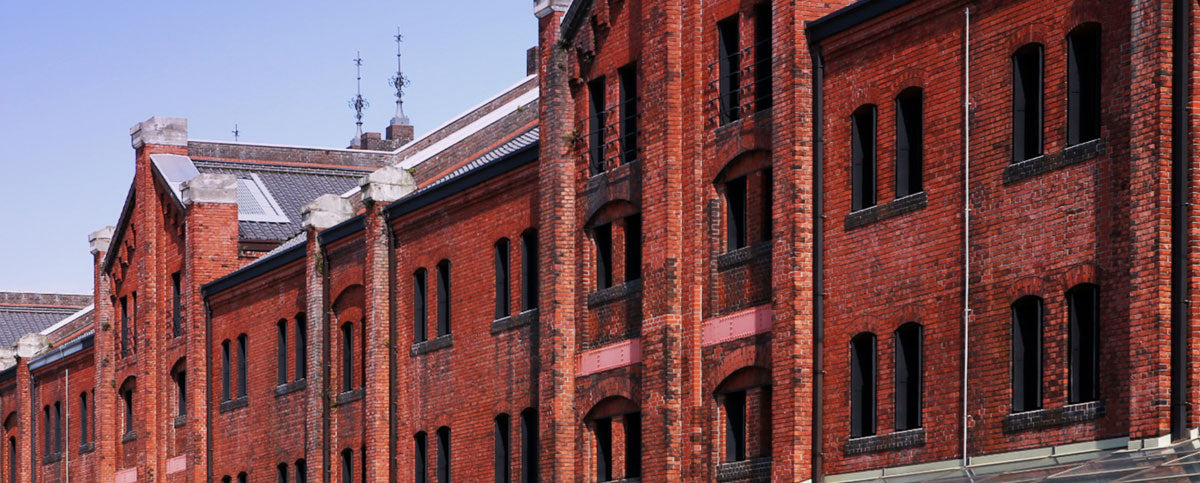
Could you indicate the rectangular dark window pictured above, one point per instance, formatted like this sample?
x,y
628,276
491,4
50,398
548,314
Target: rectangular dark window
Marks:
x,y
420,297
762,56
1083,84
735,426
176,304
301,347
281,358
226,370
502,276
633,247
47,436
12,460
604,456
596,125
347,356
730,68
1027,102
909,143
604,273
58,428
633,445
133,327
501,453
529,446
443,455
420,458
629,114
862,385
908,376
768,208
735,212
128,400
1027,354
301,471
529,270
1084,322
443,298
281,473
241,365
862,157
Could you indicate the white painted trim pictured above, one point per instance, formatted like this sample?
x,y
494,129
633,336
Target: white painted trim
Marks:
x,y
397,150
71,318
477,125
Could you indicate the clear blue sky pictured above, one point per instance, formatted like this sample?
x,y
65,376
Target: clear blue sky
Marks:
x,y
74,76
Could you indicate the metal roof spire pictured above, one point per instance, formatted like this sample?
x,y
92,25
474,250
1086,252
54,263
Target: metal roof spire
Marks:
x,y
357,102
236,132
399,82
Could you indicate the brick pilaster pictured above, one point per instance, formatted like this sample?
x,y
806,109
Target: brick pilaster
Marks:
x,y
377,436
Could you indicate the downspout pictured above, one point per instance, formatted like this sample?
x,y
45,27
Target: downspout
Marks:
x,y
66,423
1181,48
818,206
966,314
208,370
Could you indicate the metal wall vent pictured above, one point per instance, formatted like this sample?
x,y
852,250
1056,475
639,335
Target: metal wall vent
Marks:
x,y
255,202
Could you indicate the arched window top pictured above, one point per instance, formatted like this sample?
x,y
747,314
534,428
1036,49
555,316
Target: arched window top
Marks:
x,y
612,406
909,327
611,211
1032,48
862,337
744,378
502,242
1085,28
1081,287
179,366
129,384
865,109
911,92
1026,300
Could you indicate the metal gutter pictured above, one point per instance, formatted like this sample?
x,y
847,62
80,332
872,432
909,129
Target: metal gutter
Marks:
x,y
119,231
850,16
1181,66
54,355
423,198
573,19
254,270
342,230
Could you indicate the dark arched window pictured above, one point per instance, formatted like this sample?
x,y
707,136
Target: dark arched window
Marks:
x,y
301,347
1027,354
347,357
863,164
47,431
529,446
910,150
909,357
84,416
242,478
420,457
301,471
862,385
420,298
1084,321
1083,83
126,392
443,297
501,449
281,358
1027,102
443,454
529,270
241,365
281,472
347,465
501,256
226,371
179,376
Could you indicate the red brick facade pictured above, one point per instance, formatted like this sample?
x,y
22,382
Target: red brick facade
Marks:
x,y
681,303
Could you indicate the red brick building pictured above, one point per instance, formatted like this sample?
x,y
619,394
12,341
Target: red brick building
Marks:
x,y
727,240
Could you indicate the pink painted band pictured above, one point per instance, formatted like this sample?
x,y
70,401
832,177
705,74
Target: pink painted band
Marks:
x,y
610,356
737,325
177,464
126,476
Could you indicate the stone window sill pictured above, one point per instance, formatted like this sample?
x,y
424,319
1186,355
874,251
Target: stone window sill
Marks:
x,y
909,438
614,293
180,420
348,397
129,436
52,458
1049,162
515,321
744,255
1060,416
232,404
891,209
434,344
86,448
290,387
755,470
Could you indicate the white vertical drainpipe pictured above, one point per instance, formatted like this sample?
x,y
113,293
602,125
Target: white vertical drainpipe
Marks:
x,y
966,227
67,423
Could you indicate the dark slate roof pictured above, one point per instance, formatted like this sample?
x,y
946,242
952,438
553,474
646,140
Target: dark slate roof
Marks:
x,y
523,140
291,186
18,320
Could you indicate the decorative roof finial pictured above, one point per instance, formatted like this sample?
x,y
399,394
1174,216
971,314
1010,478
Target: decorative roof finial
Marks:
x,y
399,82
357,102
236,133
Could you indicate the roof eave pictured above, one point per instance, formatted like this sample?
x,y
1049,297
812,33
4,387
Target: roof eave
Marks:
x,y
848,17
